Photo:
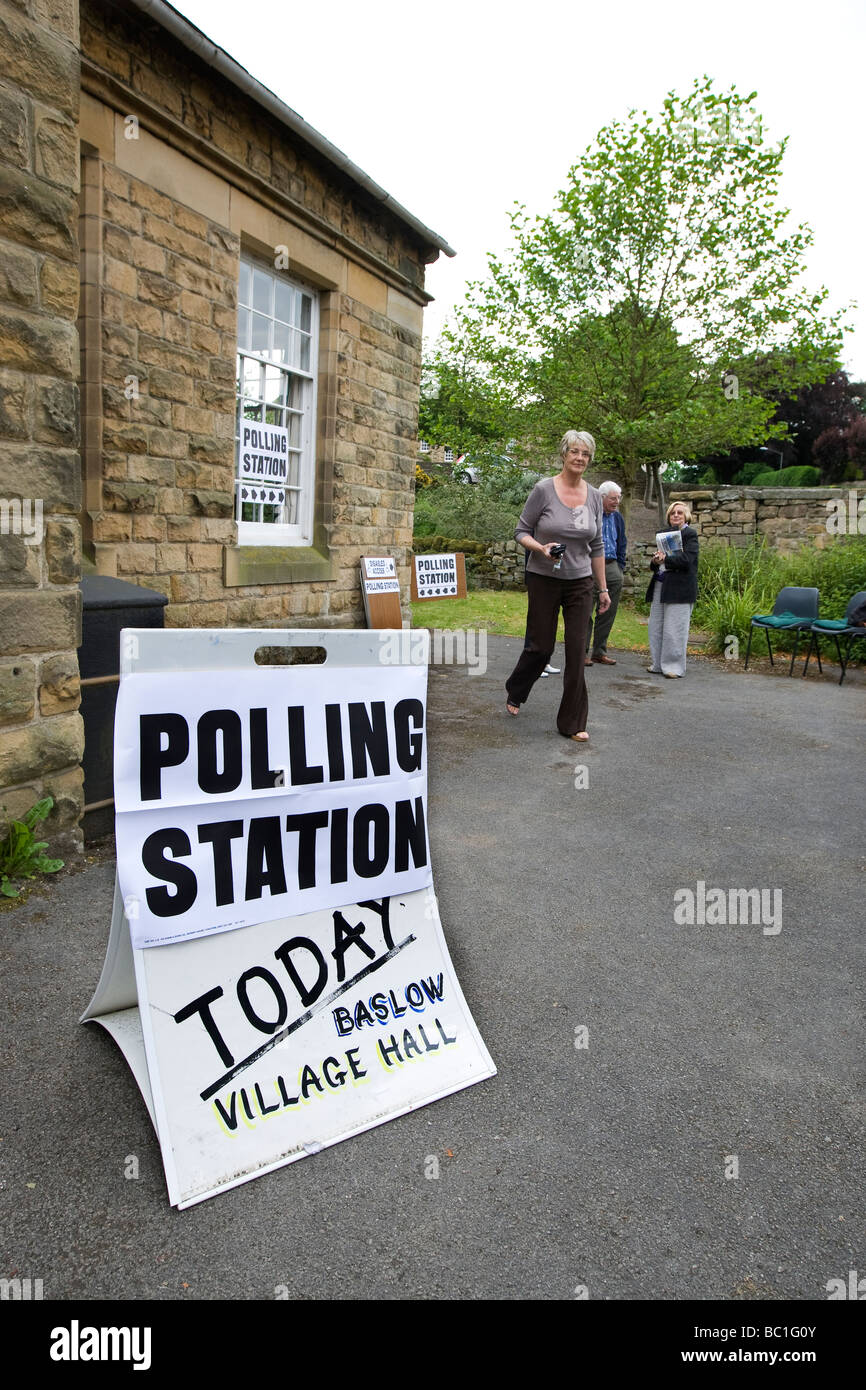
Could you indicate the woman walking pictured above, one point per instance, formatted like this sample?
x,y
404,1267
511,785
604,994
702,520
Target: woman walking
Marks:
x,y
560,526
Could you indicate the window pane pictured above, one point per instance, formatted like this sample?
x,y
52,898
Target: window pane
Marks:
x,y
275,385
252,410
304,363
284,302
306,312
243,328
262,292
294,469
252,377
244,284
281,344
261,334
294,424
273,415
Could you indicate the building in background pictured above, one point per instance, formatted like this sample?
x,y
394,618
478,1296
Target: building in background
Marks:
x,y
239,425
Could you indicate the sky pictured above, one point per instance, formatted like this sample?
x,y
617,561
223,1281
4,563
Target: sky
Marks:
x,y
459,110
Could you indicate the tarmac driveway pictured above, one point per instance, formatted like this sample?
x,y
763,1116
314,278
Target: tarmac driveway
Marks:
x,y
676,1113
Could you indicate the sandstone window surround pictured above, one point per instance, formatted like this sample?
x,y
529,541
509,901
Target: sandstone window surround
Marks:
x,y
276,388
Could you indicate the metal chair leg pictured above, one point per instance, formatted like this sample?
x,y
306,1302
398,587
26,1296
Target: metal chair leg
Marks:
x,y
846,659
748,649
769,648
809,653
794,652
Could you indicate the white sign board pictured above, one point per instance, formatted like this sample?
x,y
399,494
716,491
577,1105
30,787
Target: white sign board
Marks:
x,y
282,792
255,1045
379,567
270,496
381,586
263,453
436,576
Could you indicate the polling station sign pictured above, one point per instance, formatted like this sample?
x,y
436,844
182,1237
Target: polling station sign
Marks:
x,y
263,453
282,791
266,1024
439,576
272,1042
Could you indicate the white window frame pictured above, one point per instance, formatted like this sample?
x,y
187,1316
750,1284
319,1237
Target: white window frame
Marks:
x,y
449,455
275,533
423,446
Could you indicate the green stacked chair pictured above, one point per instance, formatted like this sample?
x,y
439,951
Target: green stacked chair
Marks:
x,y
795,610
836,628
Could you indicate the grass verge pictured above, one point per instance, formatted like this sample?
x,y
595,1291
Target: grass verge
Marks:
x,y
502,612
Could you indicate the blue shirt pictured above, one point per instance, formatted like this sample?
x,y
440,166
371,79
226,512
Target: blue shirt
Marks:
x,y
608,531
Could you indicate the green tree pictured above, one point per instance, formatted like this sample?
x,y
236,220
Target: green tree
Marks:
x,y
460,405
664,265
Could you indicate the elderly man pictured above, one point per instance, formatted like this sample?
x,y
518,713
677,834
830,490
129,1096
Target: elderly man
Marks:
x,y
613,533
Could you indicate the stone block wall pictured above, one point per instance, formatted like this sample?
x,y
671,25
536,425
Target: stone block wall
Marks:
x,y
161,477
41,737
785,517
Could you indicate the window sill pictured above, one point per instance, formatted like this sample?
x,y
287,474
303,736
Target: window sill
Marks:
x,y
245,565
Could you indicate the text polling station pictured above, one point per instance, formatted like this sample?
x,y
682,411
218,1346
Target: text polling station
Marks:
x,y
271,794
292,981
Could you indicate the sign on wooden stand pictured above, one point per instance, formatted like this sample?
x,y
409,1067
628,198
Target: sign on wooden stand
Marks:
x,y
439,576
276,973
381,589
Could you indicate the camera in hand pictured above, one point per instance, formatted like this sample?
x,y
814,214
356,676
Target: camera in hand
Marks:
x,y
556,553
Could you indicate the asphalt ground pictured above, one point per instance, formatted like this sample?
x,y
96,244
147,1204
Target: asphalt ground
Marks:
x,y
702,1139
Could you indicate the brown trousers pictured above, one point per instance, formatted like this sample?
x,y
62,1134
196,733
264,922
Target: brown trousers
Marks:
x,y
546,596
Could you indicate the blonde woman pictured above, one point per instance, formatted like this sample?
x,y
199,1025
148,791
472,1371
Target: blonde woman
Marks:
x,y
560,526
672,592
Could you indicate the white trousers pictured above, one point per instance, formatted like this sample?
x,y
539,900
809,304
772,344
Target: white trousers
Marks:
x,y
668,634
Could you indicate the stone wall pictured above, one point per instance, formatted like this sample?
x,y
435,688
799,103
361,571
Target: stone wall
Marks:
x,y
785,517
41,738
162,474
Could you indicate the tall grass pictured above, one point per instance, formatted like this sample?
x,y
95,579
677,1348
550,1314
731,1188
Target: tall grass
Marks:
x,y
734,585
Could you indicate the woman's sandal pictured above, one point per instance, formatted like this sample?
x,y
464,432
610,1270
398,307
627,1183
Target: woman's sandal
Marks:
x,y
578,738
512,709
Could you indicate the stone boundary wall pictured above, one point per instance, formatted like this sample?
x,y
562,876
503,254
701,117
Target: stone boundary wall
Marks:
x,y
41,733
786,517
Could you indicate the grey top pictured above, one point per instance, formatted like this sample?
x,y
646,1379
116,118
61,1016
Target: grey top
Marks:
x,y
548,519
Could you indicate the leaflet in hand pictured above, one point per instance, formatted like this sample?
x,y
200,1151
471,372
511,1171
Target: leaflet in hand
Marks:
x,y
669,541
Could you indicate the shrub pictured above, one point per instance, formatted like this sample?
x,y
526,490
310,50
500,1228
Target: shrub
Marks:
x,y
749,472
474,510
797,475
735,585
478,563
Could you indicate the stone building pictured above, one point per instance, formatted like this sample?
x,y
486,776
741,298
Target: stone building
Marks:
x,y
240,424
